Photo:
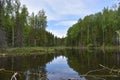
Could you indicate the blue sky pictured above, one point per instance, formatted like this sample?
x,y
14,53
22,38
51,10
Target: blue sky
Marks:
x,y
61,14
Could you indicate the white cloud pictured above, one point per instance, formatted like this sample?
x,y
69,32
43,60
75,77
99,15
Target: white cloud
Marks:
x,y
62,12
62,7
65,23
57,9
59,33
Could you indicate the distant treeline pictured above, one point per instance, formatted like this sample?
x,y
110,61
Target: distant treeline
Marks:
x,y
18,28
100,29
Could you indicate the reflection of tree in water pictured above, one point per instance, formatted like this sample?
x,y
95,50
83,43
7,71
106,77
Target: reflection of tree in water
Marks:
x,y
32,66
37,74
83,61
80,61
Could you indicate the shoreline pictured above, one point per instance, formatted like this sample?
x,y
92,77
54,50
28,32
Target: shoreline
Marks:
x,y
46,50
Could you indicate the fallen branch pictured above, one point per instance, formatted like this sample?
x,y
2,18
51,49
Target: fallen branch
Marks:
x,y
110,69
14,76
94,71
15,73
100,75
2,69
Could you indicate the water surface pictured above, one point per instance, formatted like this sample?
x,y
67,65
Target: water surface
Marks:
x,y
62,65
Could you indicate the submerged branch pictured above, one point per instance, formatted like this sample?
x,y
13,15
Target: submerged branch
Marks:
x,y
19,73
94,71
14,76
105,68
111,69
100,75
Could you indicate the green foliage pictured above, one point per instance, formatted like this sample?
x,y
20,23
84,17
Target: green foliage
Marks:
x,y
18,28
98,29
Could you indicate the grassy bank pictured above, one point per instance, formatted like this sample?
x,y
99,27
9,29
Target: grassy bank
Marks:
x,y
26,51
30,50
46,50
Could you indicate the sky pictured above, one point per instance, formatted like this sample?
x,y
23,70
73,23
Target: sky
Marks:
x,y
62,14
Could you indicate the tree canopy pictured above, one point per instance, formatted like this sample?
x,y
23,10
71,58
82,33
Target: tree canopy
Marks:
x,y
95,30
18,28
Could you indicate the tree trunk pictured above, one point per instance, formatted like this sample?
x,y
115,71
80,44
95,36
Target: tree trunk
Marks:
x,y
3,42
13,36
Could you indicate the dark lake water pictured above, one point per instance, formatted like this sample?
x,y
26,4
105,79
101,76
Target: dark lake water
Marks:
x,y
62,65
